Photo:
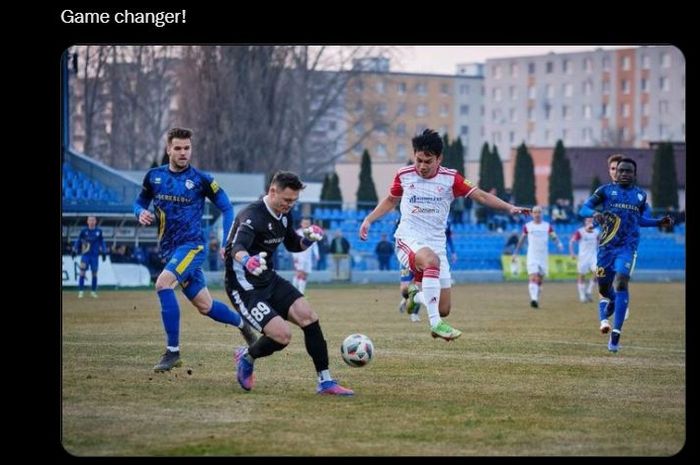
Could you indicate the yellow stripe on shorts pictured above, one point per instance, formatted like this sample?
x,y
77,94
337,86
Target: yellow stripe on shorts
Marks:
x,y
188,259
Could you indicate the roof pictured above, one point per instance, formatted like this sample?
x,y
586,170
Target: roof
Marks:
x,y
588,162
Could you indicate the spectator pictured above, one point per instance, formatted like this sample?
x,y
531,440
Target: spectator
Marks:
x,y
384,250
213,252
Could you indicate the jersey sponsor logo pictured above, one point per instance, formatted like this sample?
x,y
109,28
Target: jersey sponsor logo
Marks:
x,y
284,221
214,186
189,184
274,240
640,196
173,198
418,209
422,199
156,181
269,226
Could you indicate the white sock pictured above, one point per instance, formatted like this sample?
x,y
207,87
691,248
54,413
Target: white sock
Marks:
x,y
419,298
173,349
532,287
581,290
431,297
302,285
591,283
324,375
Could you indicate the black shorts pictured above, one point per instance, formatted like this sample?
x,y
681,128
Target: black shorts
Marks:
x,y
259,305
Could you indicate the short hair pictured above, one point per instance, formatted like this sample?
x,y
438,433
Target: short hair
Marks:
x,y
287,179
615,157
429,142
179,133
536,209
629,160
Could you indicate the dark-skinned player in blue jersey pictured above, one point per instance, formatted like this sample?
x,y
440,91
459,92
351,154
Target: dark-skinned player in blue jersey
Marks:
x,y
90,244
620,209
178,192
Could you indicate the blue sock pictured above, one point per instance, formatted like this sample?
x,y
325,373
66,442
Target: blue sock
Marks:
x,y
221,313
170,313
94,283
621,300
81,283
603,308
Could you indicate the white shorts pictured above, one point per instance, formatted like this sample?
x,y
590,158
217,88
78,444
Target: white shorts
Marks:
x,y
406,250
586,266
303,264
537,266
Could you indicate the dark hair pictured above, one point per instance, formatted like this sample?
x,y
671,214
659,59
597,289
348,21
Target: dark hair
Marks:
x,y
179,133
615,157
429,142
285,179
629,160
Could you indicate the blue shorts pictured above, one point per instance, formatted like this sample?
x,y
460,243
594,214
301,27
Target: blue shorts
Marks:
x,y
89,261
186,265
613,261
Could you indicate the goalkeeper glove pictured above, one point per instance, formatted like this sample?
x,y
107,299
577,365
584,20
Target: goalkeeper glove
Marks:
x,y
312,234
255,264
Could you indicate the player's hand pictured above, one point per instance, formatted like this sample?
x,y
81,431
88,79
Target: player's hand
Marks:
x,y
667,221
255,264
520,211
146,217
599,218
313,233
364,229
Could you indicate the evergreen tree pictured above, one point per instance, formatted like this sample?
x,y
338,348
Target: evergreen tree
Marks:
x,y
447,158
458,156
325,186
496,167
366,192
485,182
334,194
595,183
524,178
560,176
664,183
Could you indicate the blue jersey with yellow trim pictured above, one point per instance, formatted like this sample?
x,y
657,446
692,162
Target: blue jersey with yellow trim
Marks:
x,y
623,208
178,198
90,242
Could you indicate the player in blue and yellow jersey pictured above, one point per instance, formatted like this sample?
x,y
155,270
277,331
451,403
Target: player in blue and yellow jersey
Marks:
x,y
622,209
268,301
90,244
178,192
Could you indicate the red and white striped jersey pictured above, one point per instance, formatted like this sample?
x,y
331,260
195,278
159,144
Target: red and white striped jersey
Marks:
x,y
537,238
425,203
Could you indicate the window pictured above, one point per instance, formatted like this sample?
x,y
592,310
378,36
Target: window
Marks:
x,y
332,125
401,152
511,136
626,63
644,84
464,130
497,71
646,62
587,112
359,85
381,109
513,92
401,109
663,131
665,60
497,94
566,66
531,92
565,135
401,129
464,110
625,85
549,67
547,112
664,83
568,89
643,132
663,107
549,91
444,109
380,87
464,89
422,109
625,110
514,70
401,88
606,87
513,115
548,136
565,112
531,114
421,88
380,151
605,110
606,63
588,65
587,87
587,135
530,68
645,109
445,88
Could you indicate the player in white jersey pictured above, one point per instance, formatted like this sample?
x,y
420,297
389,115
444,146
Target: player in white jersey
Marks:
x,y
538,233
303,261
424,192
587,238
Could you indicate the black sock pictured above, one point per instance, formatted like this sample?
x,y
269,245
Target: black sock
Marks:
x,y
404,293
264,346
316,346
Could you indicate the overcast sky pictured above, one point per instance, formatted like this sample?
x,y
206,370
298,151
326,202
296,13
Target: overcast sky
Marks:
x,y
442,59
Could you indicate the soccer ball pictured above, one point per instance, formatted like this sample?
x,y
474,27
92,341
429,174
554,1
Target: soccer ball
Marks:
x,y
357,350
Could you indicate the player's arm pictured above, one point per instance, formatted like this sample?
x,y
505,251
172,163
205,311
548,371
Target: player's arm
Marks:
x,y
142,202
76,245
242,242
519,244
555,238
385,206
219,198
647,220
491,201
102,247
588,208
575,237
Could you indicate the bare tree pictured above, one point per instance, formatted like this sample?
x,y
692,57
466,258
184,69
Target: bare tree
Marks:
x,y
90,98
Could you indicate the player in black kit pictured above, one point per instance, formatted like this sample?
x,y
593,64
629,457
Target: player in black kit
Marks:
x,y
266,300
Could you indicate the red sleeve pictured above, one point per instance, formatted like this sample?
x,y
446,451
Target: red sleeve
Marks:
x,y
524,229
551,229
577,236
462,187
396,189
